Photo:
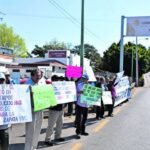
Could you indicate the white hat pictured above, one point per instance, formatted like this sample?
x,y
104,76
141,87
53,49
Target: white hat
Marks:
x,y
2,76
7,73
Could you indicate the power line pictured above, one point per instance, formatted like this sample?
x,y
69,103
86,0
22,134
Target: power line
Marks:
x,y
71,18
65,13
1,13
35,16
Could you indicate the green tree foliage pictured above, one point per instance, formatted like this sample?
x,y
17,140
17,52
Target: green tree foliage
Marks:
x,y
91,53
11,40
111,58
53,45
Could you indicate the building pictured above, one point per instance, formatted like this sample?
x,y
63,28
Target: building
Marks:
x,y
24,66
6,57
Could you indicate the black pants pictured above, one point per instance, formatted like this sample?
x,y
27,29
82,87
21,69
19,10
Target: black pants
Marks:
x,y
70,108
4,139
111,107
100,110
81,118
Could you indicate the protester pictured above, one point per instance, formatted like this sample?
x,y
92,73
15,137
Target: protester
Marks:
x,y
33,128
81,108
56,114
43,78
70,104
100,109
9,80
4,132
111,88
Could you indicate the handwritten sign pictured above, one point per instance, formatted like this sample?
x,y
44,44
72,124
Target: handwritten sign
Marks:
x,y
65,91
74,72
15,104
43,97
107,98
91,95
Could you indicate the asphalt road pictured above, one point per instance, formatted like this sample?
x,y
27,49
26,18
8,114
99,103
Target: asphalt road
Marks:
x,y
129,129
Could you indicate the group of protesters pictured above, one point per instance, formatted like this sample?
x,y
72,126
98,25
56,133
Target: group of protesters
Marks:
x,y
56,113
4,129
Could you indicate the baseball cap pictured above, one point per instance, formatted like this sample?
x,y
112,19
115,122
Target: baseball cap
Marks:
x,y
2,76
85,76
7,73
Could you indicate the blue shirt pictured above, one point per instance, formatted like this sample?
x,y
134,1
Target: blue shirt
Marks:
x,y
79,88
30,82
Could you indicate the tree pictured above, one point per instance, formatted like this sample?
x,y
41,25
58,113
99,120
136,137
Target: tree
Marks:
x,y
111,58
11,40
53,45
91,53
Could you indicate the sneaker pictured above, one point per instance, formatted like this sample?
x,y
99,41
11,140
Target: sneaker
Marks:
x,y
103,117
60,140
78,136
49,143
110,115
98,118
84,133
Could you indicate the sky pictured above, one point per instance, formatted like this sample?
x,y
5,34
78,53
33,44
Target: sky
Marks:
x,y
41,21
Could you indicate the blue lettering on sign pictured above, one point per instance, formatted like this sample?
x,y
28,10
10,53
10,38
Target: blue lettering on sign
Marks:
x,y
7,120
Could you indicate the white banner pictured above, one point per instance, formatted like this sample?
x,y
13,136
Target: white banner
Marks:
x,y
65,91
146,77
107,98
138,26
15,104
123,91
119,75
89,71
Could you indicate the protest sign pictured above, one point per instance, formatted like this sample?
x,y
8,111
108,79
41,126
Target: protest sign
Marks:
x,y
15,104
65,91
107,98
123,91
43,97
119,75
74,72
91,95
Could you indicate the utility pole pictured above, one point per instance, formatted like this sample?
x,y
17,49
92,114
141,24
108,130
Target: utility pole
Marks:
x,y
121,44
132,67
137,64
82,36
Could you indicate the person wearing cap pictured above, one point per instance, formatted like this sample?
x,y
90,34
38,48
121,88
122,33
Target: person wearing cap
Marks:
x,y
81,108
4,133
8,78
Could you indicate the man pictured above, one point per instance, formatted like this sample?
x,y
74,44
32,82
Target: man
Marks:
x,y
33,128
56,115
81,108
4,133
100,109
